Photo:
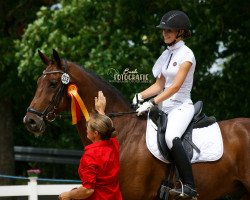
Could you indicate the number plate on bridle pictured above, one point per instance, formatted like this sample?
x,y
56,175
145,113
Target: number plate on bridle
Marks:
x,y
65,78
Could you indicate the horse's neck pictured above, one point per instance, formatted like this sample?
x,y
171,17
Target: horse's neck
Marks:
x,y
89,85
81,129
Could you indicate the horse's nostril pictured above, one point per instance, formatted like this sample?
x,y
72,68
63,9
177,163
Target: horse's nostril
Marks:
x,y
31,121
34,124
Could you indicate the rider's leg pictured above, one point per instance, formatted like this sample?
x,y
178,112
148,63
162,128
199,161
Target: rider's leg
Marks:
x,y
178,121
184,168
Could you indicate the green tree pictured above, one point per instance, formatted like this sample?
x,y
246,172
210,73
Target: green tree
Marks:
x,y
221,31
94,39
14,15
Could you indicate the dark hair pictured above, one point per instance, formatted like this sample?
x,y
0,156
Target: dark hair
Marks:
x,y
186,34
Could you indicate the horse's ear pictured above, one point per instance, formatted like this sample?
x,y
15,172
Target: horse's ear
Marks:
x,y
44,58
57,58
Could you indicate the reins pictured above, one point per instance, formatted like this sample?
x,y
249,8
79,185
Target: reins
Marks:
x,y
111,115
117,114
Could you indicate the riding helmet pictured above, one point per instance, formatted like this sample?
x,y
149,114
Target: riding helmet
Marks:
x,y
174,19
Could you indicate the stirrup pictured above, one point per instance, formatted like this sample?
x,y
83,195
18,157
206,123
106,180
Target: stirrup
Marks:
x,y
180,194
164,192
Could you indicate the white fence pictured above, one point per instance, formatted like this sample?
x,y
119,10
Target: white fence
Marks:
x,y
33,190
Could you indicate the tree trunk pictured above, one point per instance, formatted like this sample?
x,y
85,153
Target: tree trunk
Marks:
x,y
7,161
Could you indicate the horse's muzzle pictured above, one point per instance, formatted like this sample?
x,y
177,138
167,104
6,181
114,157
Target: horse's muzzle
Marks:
x,y
34,123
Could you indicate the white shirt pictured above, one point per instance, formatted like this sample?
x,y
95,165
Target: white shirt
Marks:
x,y
168,65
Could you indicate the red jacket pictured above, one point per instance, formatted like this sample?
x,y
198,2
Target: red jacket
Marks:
x,y
99,169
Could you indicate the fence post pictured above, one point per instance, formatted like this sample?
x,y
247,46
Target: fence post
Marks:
x,y
33,188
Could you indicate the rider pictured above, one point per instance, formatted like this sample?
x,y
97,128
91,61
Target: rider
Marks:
x,y
174,72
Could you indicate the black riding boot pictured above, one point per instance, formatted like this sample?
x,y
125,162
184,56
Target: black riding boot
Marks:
x,y
184,168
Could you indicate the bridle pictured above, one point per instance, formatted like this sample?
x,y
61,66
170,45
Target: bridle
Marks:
x,y
49,114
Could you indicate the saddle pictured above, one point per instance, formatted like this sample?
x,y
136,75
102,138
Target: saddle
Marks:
x,y
160,120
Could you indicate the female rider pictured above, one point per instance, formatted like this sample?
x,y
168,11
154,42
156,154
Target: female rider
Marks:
x,y
174,72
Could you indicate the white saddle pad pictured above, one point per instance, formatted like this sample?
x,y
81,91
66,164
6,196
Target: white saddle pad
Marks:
x,y
208,140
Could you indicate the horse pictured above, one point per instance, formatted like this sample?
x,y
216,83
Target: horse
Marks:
x,y
141,173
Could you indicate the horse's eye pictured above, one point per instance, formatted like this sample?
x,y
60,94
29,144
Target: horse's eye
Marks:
x,y
53,83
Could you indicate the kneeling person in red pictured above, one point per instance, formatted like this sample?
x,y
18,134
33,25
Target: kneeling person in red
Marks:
x,y
99,166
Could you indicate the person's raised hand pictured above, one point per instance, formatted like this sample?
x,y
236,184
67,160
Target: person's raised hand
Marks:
x,y
100,103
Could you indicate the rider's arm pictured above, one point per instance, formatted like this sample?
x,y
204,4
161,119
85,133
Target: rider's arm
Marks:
x,y
177,83
154,89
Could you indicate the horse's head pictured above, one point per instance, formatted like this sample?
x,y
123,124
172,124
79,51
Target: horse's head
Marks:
x,y
50,97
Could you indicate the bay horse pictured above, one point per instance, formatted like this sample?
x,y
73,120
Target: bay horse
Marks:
x,y
141,173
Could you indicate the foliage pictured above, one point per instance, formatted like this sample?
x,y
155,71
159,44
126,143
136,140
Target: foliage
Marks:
x,y
14,18
222,36
93,39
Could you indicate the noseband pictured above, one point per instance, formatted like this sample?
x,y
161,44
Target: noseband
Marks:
x,y
49,114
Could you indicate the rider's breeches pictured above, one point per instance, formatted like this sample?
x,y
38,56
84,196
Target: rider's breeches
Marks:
x,y
178,121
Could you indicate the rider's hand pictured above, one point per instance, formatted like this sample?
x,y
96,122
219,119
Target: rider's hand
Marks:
x,y
146,106
137,100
